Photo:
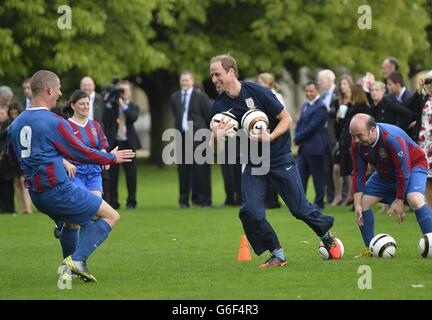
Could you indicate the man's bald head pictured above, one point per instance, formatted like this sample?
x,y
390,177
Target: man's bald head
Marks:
x,y
363,128
42,80
87,85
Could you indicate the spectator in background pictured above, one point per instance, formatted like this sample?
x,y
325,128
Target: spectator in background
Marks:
x,y
399,94
6,165
119,118
97,106
191,110
341,107
358,104
310,136
6,96
421,130
384,109
27,93
22,194
329,93
268,80
389,65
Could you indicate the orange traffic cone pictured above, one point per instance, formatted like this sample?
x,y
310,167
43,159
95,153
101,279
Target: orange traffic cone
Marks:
x,y
244,252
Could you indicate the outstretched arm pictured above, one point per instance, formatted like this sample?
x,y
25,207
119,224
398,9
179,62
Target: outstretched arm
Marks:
x,y
72,148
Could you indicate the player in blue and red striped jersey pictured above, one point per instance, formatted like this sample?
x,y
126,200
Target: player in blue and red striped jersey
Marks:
x,y
400,174
40,140
89,131
88,176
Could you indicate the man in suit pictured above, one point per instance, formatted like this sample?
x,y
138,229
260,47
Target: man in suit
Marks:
x,y
400,95
327,86
191,110
389,65
119,118
27,93
310,136
97,106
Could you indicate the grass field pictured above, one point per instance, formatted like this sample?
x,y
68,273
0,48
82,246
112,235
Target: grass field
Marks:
x,y
161,252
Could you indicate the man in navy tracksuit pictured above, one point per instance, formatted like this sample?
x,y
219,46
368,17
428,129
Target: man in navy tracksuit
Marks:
x,y
239,97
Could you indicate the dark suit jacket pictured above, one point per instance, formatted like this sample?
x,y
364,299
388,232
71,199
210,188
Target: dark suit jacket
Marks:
x,y
98,109
388,111
310,131
331,121
403,121
111,125
415,104
199,110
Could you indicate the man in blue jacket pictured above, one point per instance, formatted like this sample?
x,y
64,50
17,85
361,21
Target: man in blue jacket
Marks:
x,y
311,138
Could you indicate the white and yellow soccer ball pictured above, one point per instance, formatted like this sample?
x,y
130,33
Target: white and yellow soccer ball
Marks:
x,y
229,119
383,246
424,245
325,255
254,120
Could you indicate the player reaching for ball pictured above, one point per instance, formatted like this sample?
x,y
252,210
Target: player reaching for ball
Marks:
x,y
401,173
239,97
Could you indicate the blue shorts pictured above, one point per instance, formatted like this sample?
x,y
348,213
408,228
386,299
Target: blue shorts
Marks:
x,y
382,188
89,182
67,202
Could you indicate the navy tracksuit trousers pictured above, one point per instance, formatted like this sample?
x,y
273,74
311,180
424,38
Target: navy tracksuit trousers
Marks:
x,y
287,182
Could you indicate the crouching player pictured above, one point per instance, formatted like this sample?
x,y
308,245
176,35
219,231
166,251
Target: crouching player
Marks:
x,y
401,173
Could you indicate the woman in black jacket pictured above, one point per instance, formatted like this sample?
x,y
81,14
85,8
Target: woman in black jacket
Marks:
x,y
386,111
358,104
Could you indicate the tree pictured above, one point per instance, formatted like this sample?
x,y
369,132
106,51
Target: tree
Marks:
x,y
151,41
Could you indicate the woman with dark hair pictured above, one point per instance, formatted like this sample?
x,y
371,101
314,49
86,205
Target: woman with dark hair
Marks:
x,y
88,176
341,107
358,104
91,134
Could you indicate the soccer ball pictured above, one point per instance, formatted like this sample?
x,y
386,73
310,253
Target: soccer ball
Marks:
x,y
254,120
383,245
229,118
424,245
325,255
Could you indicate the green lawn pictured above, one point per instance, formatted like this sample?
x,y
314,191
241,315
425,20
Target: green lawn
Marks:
x,y
161,252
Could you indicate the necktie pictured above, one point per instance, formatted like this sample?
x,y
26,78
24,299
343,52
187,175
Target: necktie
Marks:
x,y
185,112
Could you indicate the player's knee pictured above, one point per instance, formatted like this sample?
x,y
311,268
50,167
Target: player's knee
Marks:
x,y
251,215
71,226
114,218
415,200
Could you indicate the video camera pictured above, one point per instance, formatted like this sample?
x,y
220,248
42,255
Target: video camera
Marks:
x,y
111,92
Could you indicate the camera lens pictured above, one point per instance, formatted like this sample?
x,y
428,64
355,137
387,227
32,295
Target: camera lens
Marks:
x,y
428,81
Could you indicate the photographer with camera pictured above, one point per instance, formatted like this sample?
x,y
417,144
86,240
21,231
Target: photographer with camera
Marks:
x,y
119,118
